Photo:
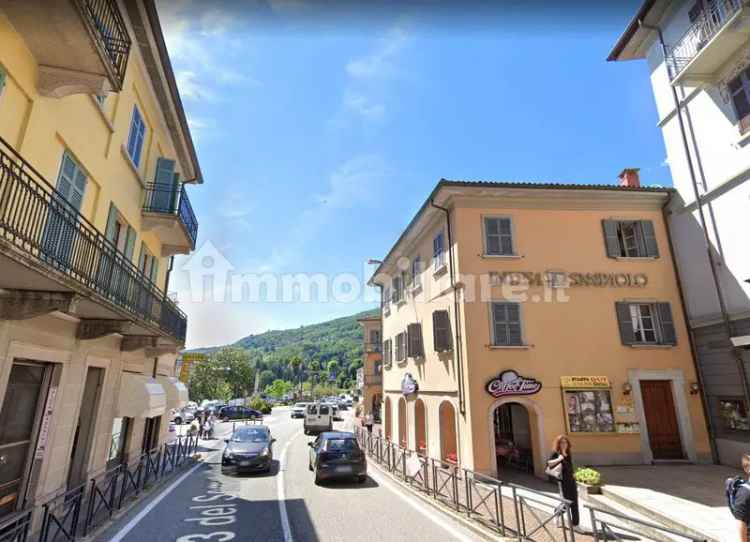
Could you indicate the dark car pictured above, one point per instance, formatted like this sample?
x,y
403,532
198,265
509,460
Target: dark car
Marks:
x,y
250,448
336,454
239,413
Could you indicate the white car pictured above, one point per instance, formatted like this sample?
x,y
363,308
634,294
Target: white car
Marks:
x,y
298,410
318,418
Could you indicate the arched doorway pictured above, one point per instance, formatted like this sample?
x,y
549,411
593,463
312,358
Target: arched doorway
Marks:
x,y
513,438
377,399
420,427
388,418
402,422
448,444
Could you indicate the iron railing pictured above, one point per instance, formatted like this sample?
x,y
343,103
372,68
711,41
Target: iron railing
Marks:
x,y
79,511
16,527
609,526
707,24
106,23
39,221
373,348
172,200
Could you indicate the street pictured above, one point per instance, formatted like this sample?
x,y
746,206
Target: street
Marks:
x,y
284,505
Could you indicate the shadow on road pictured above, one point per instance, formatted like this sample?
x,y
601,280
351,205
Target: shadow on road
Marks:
x,y
348,484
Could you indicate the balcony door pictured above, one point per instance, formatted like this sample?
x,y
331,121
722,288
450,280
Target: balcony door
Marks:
x,y
61,228
84,435
163,197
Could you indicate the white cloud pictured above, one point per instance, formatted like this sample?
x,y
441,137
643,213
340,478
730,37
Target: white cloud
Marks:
x,y
381,62
193,89
364,106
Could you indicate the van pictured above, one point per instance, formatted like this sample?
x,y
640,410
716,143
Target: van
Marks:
x,y
318,418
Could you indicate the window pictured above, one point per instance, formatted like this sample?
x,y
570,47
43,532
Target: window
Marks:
x,y
441,331
630,239
100,99
733,414
119,233
400,347
739,88
416,272
136,137
506,324
71,181
498,237
405,282
387,353
646,323
415,347
375,336
386,299
117,444
438,252
3,78
589,411
398,291
148,264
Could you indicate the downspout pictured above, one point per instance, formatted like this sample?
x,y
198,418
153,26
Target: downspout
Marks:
x,y
456,307
696,192
691,338
169,274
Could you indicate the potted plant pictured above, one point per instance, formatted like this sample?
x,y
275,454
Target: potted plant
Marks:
x,y
589,481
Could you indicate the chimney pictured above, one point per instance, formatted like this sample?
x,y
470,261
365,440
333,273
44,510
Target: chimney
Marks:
x,y
629,178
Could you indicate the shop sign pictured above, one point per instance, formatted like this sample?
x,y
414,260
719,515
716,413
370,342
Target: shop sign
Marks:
x,y
511,383
41,446
558,279
584,382
187,360
409,385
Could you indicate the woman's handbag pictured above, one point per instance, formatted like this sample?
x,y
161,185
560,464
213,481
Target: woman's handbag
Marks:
x,y
555,472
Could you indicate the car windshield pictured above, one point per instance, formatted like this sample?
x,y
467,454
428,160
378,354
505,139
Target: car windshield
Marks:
x,y
341,445
324,410
299,405
250,434
312,409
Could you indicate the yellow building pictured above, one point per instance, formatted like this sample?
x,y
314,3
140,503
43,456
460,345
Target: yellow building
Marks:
x,y
95,155
514,312
370,375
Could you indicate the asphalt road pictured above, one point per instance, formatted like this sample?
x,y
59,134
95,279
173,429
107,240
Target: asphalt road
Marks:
x,y
205,505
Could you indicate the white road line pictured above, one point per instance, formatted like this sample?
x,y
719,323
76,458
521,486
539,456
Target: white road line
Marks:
x,y
411,501
142,514
281,493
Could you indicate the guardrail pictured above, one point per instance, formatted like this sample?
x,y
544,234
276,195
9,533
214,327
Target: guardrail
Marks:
x,y
109,27
622,528
172,200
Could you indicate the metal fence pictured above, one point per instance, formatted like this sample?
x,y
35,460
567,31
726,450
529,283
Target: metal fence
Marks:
x,y
172,200
105,19
609,526
39,221
508,510
79,511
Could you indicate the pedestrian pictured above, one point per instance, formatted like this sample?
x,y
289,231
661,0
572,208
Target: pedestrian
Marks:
x,y
368,422
738,495
560,467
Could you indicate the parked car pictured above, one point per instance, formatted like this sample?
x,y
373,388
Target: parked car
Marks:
x,y
335,412
318,418
336,454
250,448
298,410
182,416
238,413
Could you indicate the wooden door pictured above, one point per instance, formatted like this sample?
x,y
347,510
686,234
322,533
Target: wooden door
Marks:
x,y
661,419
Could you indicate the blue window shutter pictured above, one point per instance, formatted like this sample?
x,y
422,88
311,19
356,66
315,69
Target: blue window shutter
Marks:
x,y
136,136
130,243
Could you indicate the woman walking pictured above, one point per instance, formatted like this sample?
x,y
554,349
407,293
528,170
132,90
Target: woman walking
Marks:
x,y
560,467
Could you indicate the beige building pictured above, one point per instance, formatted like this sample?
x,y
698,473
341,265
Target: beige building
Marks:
x,y
95,156
370,375
514,312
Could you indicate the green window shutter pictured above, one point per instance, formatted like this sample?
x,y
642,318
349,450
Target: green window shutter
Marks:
x,y
130,243
142,257
611,241
162,198
668,333
649,238
154,270
627,335
111,231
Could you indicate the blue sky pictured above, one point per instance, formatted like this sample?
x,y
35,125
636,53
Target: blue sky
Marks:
x,y
321,132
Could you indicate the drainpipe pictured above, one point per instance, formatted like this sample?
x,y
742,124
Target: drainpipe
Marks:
x,y
696,192
691,338
169,274
456,307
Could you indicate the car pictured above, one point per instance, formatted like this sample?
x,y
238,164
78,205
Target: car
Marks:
x,y
298,410
238,413
318,418
183,416
250,448
335,412
336,454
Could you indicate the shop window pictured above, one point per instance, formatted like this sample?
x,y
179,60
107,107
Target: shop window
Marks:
x,y
646,324
733,414
151,434
589,411
630,239
415,346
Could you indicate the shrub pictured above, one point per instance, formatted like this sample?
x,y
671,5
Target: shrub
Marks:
x,y
588,476
260,405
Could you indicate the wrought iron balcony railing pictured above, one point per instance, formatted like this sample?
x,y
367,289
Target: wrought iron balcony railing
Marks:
x,y
39,221
373,347
706,25
172,200
106,22
372,379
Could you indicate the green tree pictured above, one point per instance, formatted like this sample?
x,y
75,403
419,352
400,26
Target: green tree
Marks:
x,y
279,388
265,379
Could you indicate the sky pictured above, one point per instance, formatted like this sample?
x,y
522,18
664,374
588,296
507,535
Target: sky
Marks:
x,y
322,127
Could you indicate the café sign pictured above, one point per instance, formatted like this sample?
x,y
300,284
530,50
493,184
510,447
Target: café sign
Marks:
x,y
511,383
409,384
584,382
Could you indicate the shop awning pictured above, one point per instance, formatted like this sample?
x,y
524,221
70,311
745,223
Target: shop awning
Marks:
x,y
177,392
141,397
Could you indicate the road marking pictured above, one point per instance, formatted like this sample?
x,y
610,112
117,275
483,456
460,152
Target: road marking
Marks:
x,y
281,494
142,514
411,501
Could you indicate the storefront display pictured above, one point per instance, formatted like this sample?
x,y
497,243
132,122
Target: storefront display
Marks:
x,y
588,404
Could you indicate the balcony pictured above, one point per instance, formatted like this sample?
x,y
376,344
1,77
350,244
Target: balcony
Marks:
x,y
48,247
81,46
168,213
373,380
373,348
715,35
